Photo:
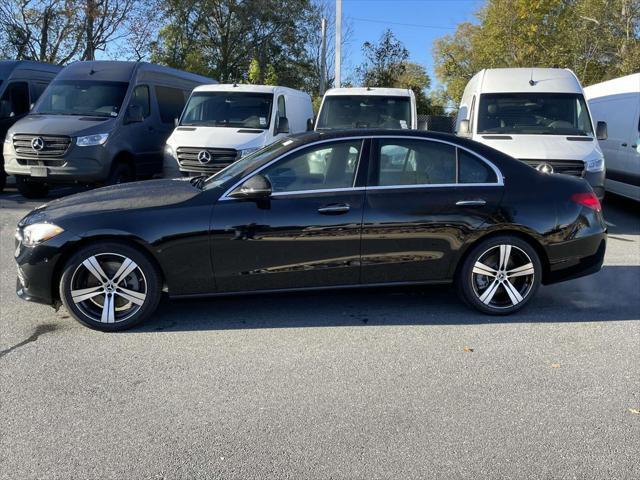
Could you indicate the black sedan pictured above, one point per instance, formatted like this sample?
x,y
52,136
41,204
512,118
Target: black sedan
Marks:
x,y
316,211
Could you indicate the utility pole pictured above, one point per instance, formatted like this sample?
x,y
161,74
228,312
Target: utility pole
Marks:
x,y
338,41
323,56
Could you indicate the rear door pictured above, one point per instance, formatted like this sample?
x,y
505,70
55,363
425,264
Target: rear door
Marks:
x,y
423,199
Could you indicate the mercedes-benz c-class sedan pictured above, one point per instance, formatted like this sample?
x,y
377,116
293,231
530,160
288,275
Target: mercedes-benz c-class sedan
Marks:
x,y
316,211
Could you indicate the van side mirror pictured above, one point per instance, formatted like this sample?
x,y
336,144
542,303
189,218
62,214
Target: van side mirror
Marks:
x,y
5,109
134,114
176,122
31,105
463,128
257,187
283,125
601,131
310,124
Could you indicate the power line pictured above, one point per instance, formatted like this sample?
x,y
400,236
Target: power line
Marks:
x,y
438,27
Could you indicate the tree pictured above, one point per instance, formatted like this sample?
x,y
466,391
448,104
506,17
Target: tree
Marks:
x,y
385,62
414,77
597,39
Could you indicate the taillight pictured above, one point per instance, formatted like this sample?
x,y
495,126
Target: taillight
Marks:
x,y
589,200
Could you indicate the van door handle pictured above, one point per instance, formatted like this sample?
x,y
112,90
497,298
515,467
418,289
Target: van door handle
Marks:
x,y
624,144
334,209
471,203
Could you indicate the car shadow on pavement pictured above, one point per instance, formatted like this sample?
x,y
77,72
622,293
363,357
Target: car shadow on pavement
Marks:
x,y
610,295
622,215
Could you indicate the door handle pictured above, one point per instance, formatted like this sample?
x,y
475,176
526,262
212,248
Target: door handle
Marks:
x,y
334,209
624,144
471,203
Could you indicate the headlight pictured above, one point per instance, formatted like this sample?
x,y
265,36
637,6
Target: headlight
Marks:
x,y
247,151
168,150
90,140
8,139
595,165
37,233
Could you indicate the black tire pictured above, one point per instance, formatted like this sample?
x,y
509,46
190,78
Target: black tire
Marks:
x,y
3,178
120,173
31,189
143,285
493,290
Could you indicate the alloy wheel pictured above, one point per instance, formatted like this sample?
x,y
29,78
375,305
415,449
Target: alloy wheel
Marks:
x,y
503,276
108,287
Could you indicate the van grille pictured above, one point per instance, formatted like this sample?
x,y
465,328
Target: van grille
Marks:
x,y
52,146
220,158
568,167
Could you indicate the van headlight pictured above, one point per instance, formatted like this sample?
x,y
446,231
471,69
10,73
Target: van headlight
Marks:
x,y
8,140
91,140
37,233
170,152
595,164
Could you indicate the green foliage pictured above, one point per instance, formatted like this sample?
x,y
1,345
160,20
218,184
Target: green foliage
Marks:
x,y
385,62
597,39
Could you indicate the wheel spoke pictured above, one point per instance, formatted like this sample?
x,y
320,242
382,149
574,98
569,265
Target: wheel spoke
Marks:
x,y
108,310
131,295
524,270
513,293
83,294
94,267
125,269
481,269
488,294
505,253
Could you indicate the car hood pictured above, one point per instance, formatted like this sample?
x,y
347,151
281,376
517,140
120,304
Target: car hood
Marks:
x,y
71,125
544,147
218,137
128,196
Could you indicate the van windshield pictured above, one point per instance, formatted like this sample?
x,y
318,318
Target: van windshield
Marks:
x,y
82,97
364,111
534,113
228,109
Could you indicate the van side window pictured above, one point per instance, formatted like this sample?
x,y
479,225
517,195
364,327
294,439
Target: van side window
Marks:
x,y
140,98
36,91
15,100
473,170
170,102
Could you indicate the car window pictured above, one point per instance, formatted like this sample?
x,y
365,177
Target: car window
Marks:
x,y
414,162
473,170
171,101
141,98
15,100
329,165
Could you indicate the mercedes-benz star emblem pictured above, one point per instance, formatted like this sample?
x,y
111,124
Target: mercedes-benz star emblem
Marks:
x,y
545,168
204,157
37,143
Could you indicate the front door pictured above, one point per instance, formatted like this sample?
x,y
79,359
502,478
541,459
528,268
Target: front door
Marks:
x,y
423,199
307,234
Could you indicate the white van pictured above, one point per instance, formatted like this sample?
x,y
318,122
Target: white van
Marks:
x,y
221,123
537,115
347,108
617,102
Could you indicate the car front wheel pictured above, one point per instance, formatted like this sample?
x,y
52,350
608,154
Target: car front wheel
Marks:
x,y
500,275
110,286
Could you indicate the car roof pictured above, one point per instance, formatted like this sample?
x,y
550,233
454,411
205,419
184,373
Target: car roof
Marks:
x,y
369,91
377,132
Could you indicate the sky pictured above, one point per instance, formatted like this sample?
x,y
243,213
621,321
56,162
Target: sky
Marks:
x,y
417,23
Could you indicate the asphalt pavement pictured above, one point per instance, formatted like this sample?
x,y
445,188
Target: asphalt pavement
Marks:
x,y
389,384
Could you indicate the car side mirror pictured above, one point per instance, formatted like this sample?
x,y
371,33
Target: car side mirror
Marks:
x,y
256,187
463,128
134,114
283,125
601,131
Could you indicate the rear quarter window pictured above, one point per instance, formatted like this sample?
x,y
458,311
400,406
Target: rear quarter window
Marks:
x,y
171,101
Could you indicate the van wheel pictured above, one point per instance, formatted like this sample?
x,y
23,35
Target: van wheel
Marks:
x,y
120,173
3,179
30,189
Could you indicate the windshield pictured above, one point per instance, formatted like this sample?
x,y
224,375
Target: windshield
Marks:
x,y
364,111
82,97
246,164
534,113
229,109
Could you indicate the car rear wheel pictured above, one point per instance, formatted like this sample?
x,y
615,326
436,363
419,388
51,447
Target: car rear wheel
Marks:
x,y
30,189
500,275
110,286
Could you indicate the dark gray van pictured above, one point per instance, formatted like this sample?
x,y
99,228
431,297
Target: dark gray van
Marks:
x,y
98,122
21,84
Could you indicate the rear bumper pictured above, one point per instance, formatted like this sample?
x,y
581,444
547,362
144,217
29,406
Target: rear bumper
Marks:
x,y
576,258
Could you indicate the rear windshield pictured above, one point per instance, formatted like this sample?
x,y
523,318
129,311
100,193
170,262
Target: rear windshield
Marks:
x,y
82,97
534,113
229,109
364,111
